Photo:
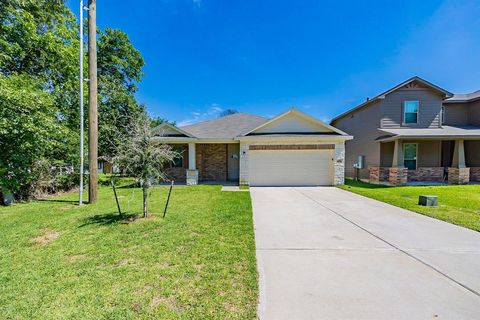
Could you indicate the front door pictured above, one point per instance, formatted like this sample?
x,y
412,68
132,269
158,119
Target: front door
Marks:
x,y
233,163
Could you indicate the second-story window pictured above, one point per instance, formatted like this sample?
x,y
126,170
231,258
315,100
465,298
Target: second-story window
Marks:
x,y
410,112
443,115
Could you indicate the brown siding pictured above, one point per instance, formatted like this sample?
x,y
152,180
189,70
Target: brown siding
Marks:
x,y
363,125
472,153
428,113
386,154
429,154
212,162
456,114
474,113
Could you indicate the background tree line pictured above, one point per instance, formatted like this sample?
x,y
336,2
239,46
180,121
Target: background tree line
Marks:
x,y
39,95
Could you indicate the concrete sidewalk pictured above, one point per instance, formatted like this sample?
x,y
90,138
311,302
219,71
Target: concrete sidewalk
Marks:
x,y
324,253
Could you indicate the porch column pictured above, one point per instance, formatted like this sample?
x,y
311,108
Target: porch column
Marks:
x,y
398,154
192,172
458,173
398,174
459,154
192,165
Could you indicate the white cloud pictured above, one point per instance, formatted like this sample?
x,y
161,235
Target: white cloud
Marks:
x,y
213,111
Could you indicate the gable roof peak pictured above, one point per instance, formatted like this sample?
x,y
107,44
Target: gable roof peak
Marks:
x,y
300,113
395,88
168,125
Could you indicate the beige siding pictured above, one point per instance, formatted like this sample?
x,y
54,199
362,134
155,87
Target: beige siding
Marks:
x,y
168,130
429,110
292,123
363,125
472,153
456,114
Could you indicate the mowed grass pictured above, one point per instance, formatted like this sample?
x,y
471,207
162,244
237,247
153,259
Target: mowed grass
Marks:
x,y
458,204
62,261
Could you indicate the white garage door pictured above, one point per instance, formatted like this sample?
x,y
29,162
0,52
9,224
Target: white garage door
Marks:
x,y
291,167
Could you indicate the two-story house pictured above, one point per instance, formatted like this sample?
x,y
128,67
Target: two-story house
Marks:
x,y
415,131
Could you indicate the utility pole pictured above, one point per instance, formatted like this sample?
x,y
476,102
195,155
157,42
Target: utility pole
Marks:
x,y
80,200
92,103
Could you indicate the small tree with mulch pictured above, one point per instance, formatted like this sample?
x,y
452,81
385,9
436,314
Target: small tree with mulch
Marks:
x,y
141,157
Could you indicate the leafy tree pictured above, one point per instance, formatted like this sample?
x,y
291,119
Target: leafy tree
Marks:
x,y
141,157
39,49
227,112
39,39
119,71
156,121
28,130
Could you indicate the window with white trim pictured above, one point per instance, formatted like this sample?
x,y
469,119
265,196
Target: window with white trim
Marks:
x,y
410,156
443,115
410,112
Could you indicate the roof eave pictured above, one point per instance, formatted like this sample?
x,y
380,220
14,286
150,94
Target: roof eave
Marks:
x,y
423,137
279,137
166,124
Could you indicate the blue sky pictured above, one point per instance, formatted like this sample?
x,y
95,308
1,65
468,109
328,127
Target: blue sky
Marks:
x,y
263,56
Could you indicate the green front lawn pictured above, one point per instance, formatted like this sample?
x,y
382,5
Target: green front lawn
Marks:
x,y
457,204
62,261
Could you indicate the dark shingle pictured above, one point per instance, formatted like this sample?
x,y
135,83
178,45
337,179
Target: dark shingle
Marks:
x,y
227,127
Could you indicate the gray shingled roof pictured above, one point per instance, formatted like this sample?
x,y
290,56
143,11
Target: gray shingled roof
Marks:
x,y
227,127
464,97
445,131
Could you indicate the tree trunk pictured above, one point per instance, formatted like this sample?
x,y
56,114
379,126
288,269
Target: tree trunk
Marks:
x,y
145,213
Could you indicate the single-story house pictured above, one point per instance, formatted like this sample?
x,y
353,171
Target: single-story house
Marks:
x,y
291,149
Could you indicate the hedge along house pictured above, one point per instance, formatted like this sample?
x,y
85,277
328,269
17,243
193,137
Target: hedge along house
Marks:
x,y
291,149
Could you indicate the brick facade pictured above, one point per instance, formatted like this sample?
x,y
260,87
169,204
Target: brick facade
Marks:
x,y
379,174
178,173
426,174
398,176
211,162
458,175
292,147
339,164
374,175
475,174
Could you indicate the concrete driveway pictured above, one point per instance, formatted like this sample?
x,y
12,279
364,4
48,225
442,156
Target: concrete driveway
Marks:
x,y
325,253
